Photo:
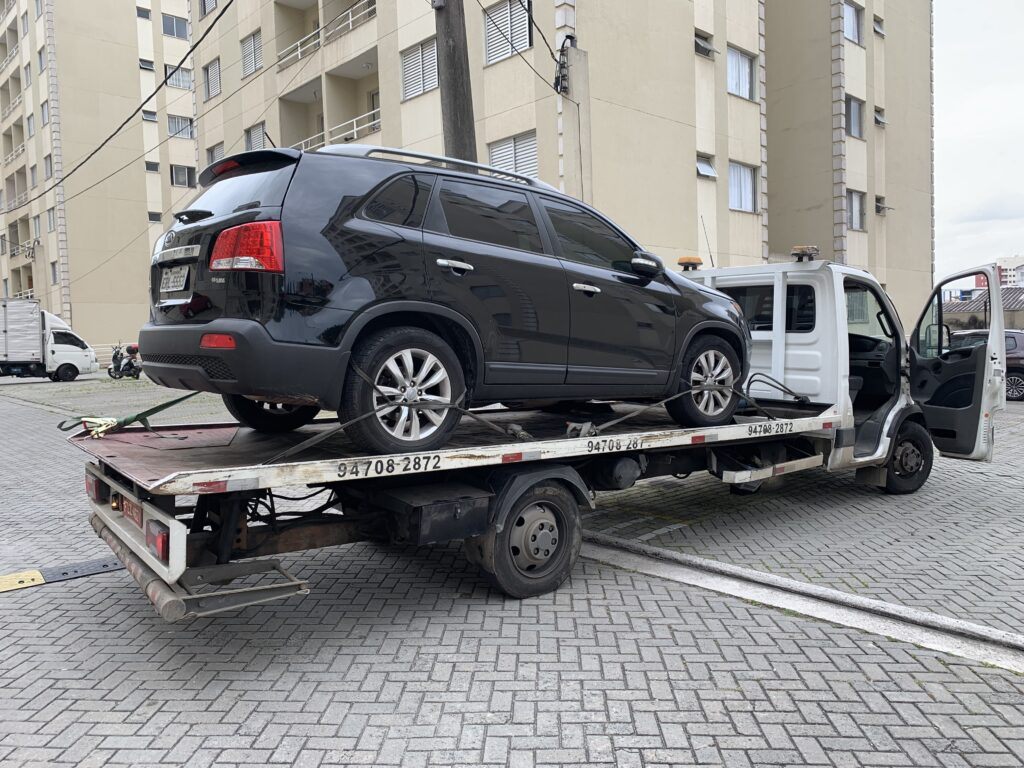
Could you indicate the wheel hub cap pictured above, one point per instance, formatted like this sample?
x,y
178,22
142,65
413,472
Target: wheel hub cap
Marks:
x,y
408,387
908,459
534,539
711,380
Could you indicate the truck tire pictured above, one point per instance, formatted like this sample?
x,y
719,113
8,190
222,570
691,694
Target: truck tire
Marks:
x,y
911,460
269,418
538,542
393,359
707,359
66,372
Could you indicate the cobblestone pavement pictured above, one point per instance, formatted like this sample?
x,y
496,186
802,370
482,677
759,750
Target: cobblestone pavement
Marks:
x,y
405,656
954,547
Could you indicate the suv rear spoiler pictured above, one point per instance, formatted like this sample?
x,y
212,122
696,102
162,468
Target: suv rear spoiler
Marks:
x,y
282,156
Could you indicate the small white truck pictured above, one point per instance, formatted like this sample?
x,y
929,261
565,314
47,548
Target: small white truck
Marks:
x,y
835,384
37,343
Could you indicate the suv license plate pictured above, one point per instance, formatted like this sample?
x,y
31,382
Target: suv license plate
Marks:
x,y
173,279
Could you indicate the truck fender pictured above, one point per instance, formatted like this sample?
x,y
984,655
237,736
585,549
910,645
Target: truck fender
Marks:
x,y
902,415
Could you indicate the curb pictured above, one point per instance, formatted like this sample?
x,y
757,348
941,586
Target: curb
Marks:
x,y
902,613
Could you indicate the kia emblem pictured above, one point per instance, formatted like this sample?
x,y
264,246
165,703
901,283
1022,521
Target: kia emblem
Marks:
x,y
169,239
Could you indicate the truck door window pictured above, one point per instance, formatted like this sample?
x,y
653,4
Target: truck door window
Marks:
x,y
63,337
757,303
934,337
865,315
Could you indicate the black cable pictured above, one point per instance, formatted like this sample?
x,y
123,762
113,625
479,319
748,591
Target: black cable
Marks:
x,y
536,26
137,110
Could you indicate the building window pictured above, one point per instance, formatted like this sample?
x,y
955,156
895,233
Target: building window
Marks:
x,y
215,153
419,69
147,64
516,153
255,137
854,117
30,125
44,113
742,187
175,26
879,27
880,117
149,115
183,176
51,219
39,8
702,45
28,75
152,167
48,167
142,13
853,22
855,210
180,127
178,77
211,79
37,226
41,55
205,6
252,53
24,24
506,30
706,167
6,288
33,176
154,217
53,273
741,74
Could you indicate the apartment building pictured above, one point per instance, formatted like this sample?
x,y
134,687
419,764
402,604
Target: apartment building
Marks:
x,y
850,137
667,139
79,241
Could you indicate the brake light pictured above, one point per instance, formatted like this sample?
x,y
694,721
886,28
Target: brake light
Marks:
x,y
227,165
217,341
249,247
158,540
96,490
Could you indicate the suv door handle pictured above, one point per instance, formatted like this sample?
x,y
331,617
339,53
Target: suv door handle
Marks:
x,y
585,288
458,266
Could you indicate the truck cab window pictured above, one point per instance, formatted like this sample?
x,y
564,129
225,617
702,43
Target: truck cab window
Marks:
x,y
63,337
757,302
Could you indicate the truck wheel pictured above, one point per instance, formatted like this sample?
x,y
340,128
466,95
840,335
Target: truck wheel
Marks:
x,y
407,366
67,372
269,417
911,460
709,360
539,541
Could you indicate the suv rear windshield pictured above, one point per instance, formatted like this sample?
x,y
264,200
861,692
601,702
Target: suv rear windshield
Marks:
x,y
252,186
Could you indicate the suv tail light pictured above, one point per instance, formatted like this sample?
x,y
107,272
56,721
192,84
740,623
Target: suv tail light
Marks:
x,y
249,247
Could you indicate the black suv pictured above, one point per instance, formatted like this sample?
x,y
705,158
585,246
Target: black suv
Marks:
x,y
350,280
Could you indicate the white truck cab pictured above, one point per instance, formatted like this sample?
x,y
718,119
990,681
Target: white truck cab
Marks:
x,y
832,336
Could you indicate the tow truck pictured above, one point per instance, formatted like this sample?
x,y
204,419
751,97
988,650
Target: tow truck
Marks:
x,y
197,512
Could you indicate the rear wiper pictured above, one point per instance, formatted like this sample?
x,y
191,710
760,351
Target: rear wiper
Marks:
x,y
192,215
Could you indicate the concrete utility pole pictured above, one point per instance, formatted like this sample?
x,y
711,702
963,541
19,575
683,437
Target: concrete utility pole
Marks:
x,y
453,72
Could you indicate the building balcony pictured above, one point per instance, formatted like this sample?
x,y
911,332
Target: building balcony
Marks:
x,y
299,51
26,249
11,156
29,294
9,109
19,200
9,6
11,56
353,17
350,130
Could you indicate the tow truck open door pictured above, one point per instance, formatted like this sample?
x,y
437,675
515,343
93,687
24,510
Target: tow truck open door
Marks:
x,y
960,387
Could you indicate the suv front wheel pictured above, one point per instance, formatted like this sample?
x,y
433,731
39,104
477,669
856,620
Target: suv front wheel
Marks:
x,y
410,374
711,369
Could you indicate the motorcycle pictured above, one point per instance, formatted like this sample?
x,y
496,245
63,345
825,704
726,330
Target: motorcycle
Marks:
x,y
124,362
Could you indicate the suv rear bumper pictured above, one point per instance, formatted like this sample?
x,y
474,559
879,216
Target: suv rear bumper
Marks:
x,y
259,366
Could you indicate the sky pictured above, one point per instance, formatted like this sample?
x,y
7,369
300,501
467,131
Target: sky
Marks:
x,y
979,133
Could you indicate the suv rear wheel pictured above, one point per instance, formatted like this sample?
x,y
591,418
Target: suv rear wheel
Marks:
x,y
269,417
413,372
711,368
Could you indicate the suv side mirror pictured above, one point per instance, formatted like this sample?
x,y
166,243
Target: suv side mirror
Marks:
x,y
647,264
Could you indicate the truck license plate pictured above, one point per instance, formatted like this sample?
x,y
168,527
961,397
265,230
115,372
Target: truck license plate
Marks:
x,y
173,279
132,511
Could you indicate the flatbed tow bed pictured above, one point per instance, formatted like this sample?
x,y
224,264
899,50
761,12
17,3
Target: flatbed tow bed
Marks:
x,y
190,508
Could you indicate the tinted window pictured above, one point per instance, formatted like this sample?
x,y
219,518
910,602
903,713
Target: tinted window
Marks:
x,y
252,186
1011,342
63,337
490,215
584,238
401,202
758,302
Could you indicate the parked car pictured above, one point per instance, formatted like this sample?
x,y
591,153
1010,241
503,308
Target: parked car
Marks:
x,y
1014,356
359,280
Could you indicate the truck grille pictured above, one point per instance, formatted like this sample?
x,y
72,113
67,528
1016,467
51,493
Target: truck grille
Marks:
x,y
214,367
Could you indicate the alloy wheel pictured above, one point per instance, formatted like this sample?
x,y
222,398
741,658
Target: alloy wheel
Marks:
x,y
711,380
533,540
408,388
1015,387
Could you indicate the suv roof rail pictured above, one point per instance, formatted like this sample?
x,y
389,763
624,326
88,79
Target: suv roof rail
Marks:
x,y
366,150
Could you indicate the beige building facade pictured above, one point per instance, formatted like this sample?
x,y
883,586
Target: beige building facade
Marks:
x,y
850,148
79,241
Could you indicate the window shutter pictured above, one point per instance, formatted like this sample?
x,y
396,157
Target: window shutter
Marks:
x,y
430,65
412,72
257,48
254,137
526,153
213,79
215,153
520,24
497,32
502,154
248,56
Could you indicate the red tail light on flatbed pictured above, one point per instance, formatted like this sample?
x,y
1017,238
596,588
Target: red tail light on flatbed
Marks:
x,y
254,247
